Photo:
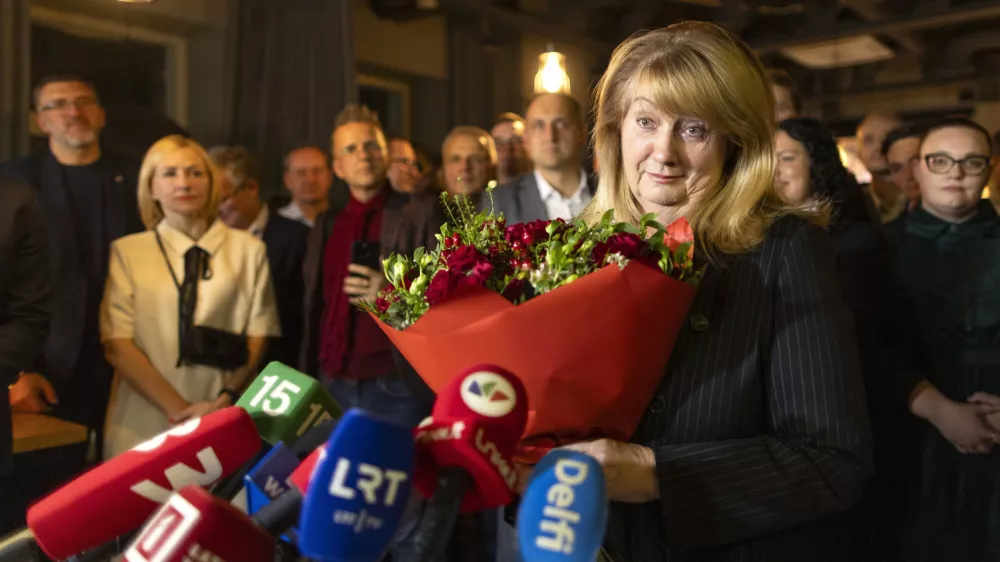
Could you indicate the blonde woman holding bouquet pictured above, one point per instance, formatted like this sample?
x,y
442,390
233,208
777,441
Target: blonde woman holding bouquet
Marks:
x,y
757,435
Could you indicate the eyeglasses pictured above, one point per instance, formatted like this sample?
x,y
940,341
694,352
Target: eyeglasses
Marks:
x,y
229,196
942,164
63,105
404,161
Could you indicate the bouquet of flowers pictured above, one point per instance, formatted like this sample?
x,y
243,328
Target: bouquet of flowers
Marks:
x,y
586,315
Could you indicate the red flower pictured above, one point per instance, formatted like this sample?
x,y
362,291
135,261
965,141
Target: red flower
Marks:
x,y
466,266
463,258
679,232
480,274
515,289
629,245
382,305
530,233
440,286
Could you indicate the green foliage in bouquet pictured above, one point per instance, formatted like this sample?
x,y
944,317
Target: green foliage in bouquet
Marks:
x,y
522,261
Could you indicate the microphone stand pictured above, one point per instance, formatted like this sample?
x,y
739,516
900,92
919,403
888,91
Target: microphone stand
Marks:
x,y
432,536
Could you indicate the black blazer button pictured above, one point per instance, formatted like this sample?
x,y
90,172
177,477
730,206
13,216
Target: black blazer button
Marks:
x,y
699,323
658,404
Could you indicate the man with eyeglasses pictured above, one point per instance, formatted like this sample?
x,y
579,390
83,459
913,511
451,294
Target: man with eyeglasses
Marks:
x,y
240,207
342,344
403,171
901,149
88,198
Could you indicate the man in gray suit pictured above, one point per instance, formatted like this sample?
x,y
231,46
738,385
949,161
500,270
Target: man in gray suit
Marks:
x,y
554,135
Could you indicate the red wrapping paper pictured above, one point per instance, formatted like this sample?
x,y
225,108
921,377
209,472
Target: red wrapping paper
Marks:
x,y
591,353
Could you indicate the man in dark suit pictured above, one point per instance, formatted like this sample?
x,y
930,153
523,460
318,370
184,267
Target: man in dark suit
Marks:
x,y
240,207
24,298
558,188
88,199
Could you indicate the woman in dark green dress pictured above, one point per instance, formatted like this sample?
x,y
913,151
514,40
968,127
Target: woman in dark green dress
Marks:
x,y
946,348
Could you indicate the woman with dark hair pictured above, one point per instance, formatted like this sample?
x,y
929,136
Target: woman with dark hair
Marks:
x,y
811,174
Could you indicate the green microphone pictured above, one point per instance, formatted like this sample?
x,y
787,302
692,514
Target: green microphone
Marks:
x,y
285,403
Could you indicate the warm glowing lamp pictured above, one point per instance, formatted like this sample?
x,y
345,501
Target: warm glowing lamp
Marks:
x,y
552,76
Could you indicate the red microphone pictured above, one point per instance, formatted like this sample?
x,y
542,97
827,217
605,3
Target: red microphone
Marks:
x,y
117,496
464,451
195,525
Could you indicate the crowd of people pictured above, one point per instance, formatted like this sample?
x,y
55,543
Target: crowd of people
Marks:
x,y
835,396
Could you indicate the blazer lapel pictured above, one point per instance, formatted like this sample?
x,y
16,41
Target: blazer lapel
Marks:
x,y
530,201
63,236
115,208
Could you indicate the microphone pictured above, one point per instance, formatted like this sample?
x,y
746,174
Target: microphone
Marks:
x,y
285,403
266,480
564,510
358,491
257,497
464,452
193,525
282,512
118,495
20,546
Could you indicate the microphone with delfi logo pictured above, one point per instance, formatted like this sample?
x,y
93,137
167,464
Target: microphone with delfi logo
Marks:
x,y
118,495
564,509
464,452
358,491
193,525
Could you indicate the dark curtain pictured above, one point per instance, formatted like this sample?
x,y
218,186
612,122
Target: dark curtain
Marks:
x,y
295,70
15,65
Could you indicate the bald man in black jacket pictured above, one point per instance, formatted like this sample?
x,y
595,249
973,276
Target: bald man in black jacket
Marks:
x,y
25,292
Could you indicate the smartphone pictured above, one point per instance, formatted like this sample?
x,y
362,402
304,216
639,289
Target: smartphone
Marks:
x,y
366,253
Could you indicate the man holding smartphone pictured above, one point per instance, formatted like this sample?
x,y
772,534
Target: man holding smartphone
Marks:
x,y
342,344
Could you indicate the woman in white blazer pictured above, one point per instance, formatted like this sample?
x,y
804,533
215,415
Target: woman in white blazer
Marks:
x,y
163,373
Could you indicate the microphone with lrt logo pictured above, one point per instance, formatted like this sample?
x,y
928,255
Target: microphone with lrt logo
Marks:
x,y
358,490
117,496
195,526
564,509
464,452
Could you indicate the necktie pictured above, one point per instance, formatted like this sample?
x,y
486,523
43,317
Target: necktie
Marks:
x,y
195,268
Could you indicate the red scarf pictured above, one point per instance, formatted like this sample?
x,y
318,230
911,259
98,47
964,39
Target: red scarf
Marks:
x,y
352,346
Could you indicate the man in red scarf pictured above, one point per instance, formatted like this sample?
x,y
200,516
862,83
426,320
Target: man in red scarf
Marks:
x,y
343,345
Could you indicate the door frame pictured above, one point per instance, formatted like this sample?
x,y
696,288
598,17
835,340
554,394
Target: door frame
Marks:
x,y
397,86
176,47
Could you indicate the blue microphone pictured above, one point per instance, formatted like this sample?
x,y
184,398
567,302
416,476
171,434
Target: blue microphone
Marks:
x,y
266,480
564,509
358,490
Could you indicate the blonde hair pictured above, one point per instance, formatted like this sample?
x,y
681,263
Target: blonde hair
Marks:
x,y
358,113
484,139
697,69
150,210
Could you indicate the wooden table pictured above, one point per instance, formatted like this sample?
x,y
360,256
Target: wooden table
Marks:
x,y
47,453
34,432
